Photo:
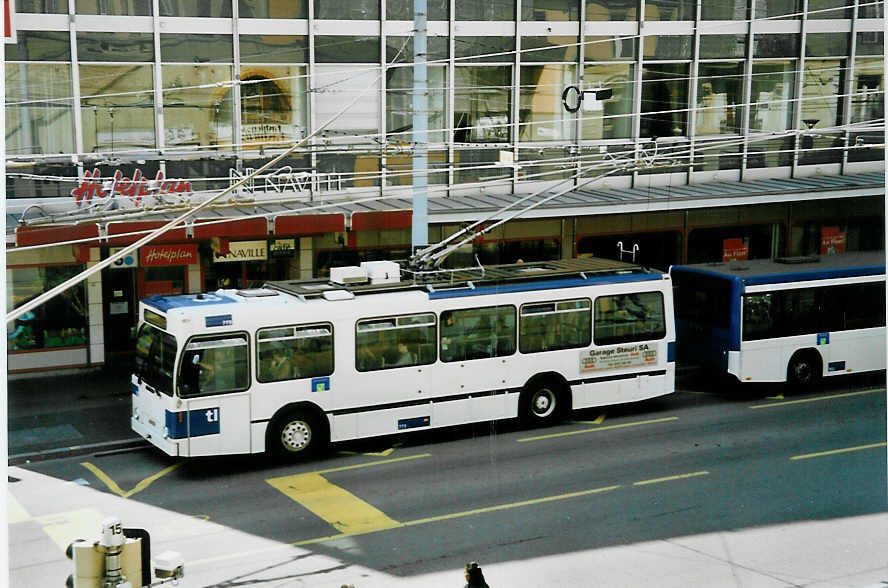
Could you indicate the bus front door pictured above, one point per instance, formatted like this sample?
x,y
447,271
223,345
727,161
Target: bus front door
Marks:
x,y
217,425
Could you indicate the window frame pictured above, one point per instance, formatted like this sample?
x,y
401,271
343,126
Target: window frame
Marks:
x,y
295,328
396,327
210,337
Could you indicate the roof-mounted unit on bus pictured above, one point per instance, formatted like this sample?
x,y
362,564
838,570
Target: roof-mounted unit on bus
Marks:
x,y
387,276
369,272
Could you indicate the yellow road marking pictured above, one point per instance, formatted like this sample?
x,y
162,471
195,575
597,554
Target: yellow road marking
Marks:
x,y
607,428
467,513
372,463
836,451
597,421
671,478
63,528
113,487
15,512
778,397
818,398
339,507
384,453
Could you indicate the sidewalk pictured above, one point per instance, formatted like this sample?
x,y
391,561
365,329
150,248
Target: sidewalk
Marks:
x,y
46,514
58,415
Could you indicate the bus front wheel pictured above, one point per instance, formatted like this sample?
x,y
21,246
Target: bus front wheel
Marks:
x,y
804,370
542,404
296,435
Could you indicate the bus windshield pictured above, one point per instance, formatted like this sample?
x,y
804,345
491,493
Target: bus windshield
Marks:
x,y
155,358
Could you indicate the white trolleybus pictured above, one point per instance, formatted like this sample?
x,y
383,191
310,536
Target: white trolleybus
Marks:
x,y
293,365
794,319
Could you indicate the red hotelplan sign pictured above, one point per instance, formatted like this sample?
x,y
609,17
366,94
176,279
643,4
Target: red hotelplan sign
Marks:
x,y
92,186
832,240
735,249
153,255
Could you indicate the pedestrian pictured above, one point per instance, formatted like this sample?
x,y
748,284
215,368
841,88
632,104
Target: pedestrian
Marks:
x,y
474,576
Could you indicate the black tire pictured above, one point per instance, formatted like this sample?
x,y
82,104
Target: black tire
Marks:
x,y
542,403
296,434
804,370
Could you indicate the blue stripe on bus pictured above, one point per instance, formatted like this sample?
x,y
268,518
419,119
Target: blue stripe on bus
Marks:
x,y
193,423
823,274
165,303
670,351
545,285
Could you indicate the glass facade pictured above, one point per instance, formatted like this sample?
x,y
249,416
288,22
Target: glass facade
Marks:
x,y
695,75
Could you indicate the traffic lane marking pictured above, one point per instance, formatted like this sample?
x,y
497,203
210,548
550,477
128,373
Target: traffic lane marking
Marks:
x,y
347,513
670,478
607,428
597,421
818,398
340,508
838,451
498,508
113,487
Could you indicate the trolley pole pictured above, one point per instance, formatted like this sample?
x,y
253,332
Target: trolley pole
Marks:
x,y
420,232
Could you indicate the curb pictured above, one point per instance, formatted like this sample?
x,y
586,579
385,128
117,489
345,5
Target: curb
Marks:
x,y
74,450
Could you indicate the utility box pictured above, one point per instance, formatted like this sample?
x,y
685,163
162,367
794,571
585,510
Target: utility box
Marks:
x,y
382,272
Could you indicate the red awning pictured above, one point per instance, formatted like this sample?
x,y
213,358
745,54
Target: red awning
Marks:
x,y
27,236
381,219
120,228
309,224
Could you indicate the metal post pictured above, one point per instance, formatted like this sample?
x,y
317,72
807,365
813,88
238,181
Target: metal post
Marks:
x,y
420,235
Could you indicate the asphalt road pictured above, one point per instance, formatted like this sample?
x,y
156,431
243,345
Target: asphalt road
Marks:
x,y
706,459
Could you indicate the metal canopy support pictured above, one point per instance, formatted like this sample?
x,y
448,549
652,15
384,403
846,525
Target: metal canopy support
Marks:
x,y
420,234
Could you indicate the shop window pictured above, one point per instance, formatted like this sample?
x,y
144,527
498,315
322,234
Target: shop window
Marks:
x,y
611,118
196,111
778,9
403,9
541,115
273,106
195,9
664,100
115,47
39,111
272,8
484,49
474,10
39,45
611,10
117,107
163,280
722,10
273,48
719,96
59,322
550,10
114,7
670,9
399,105
482,104
347,9
773,84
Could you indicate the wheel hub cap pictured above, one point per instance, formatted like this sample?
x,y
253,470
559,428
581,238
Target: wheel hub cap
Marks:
x,y
296,436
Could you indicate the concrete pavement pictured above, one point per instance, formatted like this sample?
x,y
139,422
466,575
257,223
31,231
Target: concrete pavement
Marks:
x,y
70,414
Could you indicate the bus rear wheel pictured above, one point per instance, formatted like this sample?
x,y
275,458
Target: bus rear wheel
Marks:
x,y
804,370
542,404
296,435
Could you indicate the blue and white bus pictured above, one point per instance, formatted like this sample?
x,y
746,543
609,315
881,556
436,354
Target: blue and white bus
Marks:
x,y
377,349
794,319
